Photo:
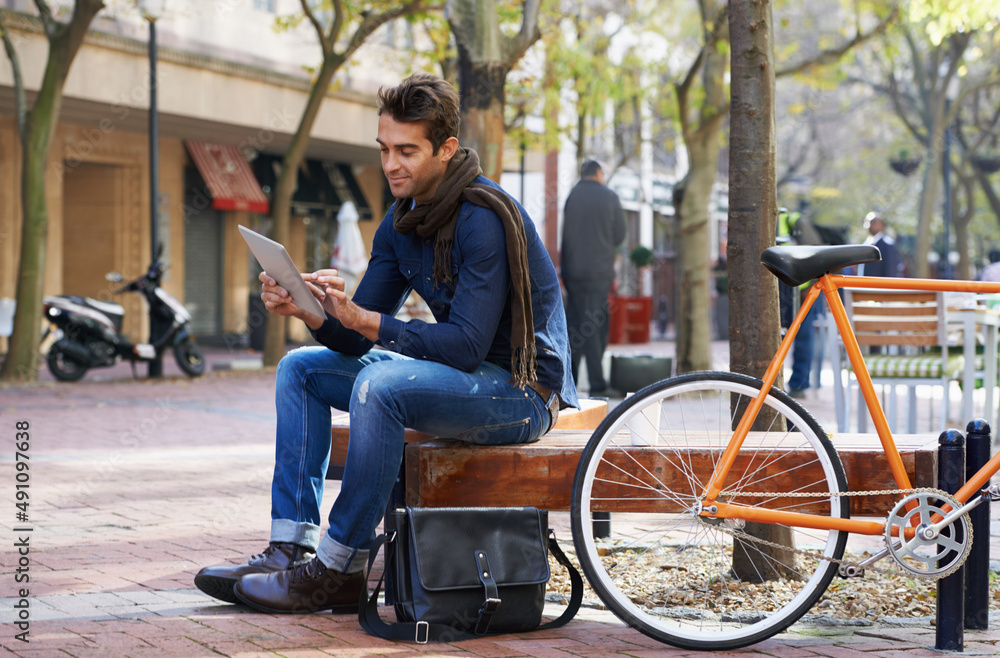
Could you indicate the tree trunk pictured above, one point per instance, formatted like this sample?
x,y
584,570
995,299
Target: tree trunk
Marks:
x,y
694,328
991,196
753,293
702,140
485,56
928,195
960,220
284,189
23,355
481,87
22,359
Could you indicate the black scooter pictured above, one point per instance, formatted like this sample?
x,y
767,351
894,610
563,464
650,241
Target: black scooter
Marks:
x,y
89,331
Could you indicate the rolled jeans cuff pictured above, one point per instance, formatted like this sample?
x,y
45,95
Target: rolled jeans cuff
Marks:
x,y
341,558
295,532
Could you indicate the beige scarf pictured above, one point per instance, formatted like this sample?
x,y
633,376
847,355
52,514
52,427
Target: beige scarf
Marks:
x,y
437,218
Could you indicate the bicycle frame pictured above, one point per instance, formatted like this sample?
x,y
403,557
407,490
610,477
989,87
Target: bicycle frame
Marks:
x,y
828,285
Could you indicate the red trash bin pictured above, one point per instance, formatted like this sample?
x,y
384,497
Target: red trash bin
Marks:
x,y
638,316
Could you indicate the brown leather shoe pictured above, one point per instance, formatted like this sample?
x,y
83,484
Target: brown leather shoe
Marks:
x,y
308,587
218,581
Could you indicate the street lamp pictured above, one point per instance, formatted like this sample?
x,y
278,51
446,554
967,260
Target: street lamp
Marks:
x,y
151,10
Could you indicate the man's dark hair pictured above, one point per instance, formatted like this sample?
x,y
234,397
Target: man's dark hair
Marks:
x,y
994,255
590,168
423,97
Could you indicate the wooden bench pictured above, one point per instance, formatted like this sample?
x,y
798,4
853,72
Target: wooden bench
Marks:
x,y
444,472
587,417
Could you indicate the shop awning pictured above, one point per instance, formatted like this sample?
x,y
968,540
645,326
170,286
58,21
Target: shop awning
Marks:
x,y
228,176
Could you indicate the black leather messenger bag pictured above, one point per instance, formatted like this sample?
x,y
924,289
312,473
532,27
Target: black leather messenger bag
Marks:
x,y
462,572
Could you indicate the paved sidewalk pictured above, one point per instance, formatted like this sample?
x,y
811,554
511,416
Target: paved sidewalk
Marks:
x,y
135,485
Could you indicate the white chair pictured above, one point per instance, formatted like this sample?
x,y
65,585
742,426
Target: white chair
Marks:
x,y
910,330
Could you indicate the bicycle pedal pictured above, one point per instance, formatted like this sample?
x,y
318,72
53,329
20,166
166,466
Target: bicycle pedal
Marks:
x,y
845,571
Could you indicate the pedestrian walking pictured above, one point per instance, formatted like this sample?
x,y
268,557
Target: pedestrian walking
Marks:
x,y
593,227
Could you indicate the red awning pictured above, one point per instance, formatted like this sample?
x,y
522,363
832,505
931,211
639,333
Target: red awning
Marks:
x,y
228,176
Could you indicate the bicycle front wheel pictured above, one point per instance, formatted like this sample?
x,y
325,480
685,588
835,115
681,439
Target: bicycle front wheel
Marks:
x,y
686,580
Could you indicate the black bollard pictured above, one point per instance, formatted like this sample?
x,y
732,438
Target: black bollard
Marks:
x,y
949,634
977,566
602,524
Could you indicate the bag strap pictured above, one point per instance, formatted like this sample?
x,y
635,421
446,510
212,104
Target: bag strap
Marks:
x,y
422,632
576,585
491,594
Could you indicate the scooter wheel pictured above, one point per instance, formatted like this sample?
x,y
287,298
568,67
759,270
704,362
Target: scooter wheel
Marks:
x,y
189,358
64,367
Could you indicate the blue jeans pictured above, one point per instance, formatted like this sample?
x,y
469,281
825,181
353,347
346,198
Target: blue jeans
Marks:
x,y
802,348
384,392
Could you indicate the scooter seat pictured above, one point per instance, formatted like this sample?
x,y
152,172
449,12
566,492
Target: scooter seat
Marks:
x,y
108,308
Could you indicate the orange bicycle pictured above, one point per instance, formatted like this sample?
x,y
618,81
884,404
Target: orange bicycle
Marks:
x,y
730,505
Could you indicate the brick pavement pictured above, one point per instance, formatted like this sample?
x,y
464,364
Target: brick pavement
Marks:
x,y
136,485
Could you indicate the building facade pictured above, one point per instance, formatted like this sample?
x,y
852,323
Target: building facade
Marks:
x,y
231,90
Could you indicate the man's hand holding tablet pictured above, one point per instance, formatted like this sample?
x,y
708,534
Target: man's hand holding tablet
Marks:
x,y
306,296
285,290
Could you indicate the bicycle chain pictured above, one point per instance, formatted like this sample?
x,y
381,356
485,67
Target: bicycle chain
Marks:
x,y
821,494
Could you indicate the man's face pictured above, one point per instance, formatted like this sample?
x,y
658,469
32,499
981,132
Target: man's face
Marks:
x,y
408,159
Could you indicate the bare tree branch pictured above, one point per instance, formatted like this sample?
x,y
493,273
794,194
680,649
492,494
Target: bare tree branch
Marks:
x,y
968,91
897,98
320,32
515,47
683,89
48,22
372,22
712,122
339,16
834,55
720,28
799,161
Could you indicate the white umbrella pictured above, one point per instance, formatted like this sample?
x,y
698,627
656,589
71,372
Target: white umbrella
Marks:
x,y
350,257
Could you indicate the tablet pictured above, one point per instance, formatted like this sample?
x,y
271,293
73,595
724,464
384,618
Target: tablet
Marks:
x,y
279,266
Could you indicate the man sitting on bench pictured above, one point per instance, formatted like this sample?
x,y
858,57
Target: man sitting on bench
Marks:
x,y
493,369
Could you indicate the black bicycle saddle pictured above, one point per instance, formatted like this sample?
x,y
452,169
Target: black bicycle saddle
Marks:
x,y
795,265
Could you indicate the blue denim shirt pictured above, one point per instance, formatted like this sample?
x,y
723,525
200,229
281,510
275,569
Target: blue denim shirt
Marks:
x,y
473,312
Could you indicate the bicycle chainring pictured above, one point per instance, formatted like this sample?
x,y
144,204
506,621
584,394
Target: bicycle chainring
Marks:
x,y
919,555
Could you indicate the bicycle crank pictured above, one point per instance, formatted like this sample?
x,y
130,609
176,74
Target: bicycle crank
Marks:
x,y
935,549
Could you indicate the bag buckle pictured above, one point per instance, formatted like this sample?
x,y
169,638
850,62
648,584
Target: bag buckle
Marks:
x,y
426,628
486,612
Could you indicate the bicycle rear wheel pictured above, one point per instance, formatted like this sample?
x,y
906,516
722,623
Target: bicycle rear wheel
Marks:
x,y
699,583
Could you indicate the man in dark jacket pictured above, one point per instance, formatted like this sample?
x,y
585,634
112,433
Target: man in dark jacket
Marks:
x,y
593,226
890,265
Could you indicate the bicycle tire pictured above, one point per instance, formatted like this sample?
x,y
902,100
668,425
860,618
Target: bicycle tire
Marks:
x,y
679,584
